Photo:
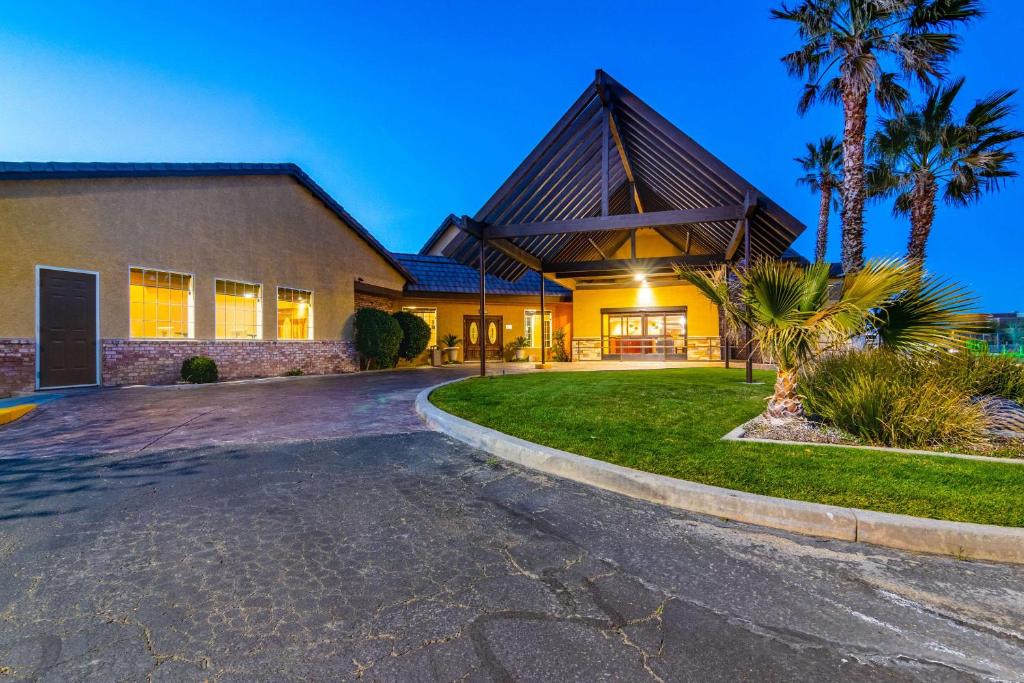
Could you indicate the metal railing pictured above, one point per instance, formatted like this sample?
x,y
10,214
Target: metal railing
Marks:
x,y
694,348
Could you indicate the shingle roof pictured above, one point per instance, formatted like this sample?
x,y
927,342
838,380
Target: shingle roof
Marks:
x,y
52,170
443,274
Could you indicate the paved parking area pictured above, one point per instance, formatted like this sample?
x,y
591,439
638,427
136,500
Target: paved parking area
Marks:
x,y
139,419
244,553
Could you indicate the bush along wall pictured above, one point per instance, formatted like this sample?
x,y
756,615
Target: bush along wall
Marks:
x,y
199,370
415,335
378,338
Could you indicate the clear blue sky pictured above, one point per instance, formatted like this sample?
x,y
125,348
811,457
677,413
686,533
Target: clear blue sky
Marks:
x,y
405,114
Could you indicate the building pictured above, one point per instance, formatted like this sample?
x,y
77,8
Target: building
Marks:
x,y
114,273
608,202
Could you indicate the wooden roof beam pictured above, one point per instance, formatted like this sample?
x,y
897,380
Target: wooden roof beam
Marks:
x,y
616,222
613,128
476,229
742,225
626,266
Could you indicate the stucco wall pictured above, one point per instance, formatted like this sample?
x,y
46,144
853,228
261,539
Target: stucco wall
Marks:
x,y
264,229
451,312
701,315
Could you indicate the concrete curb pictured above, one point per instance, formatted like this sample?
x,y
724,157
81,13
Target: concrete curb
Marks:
x,y
737,433
903,532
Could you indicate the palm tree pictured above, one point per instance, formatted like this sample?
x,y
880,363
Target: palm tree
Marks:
x,y
793,318
843,43
823,167
926,150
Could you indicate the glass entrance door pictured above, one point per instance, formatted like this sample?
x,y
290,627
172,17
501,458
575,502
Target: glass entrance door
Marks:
x,y
643,334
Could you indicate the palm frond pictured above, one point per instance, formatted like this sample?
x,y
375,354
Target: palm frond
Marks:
x,y
931,313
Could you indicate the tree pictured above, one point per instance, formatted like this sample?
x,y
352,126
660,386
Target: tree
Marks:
x,y
843,43
926,150
823,167
793,318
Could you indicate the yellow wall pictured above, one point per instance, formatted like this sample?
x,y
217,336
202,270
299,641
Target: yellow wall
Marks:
x,y
649,244
264,229
450,316
701,315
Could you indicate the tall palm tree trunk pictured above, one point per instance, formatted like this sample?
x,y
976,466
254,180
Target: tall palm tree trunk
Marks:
x,y
855,115
922,215
785,402
823,209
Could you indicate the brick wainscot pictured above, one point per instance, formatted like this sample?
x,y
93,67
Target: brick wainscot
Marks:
x,y
17,365
137,361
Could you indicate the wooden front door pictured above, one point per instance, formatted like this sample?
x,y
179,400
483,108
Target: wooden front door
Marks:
x,y
67,328
493,337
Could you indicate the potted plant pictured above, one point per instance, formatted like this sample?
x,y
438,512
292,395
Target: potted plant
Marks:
x,y
451,348
519,346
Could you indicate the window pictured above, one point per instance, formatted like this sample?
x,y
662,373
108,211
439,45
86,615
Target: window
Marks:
x,y
294,313
429,316
533,328
239,310
160,304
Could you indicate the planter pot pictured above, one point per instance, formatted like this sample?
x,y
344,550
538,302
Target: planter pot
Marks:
x,y
522,354
451,354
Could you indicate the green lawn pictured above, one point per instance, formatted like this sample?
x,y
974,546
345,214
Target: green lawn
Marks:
x,y
670,422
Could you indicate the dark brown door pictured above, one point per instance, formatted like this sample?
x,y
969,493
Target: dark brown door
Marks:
x,y
67,328
492,332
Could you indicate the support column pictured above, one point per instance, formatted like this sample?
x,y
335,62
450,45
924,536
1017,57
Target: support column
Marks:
x,y
542,358
746,264
483,307
723,339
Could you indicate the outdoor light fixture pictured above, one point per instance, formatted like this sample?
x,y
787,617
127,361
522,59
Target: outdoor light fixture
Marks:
x,y
639,277
248,295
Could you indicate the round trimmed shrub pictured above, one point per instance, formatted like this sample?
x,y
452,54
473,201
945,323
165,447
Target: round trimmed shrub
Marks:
x,y
199,370
415,335
378,336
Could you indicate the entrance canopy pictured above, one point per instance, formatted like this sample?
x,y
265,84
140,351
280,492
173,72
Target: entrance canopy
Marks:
x,y
609,167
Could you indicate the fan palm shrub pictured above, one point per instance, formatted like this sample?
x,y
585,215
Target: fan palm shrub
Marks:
x,y
823,174
853,48
923,152
794,315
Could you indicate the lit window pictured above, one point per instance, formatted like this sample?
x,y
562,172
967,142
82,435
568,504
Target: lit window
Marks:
x,y
429,316
294,313
533,328
160,305
239,310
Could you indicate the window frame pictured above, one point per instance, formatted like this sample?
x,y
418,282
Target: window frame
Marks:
x,y
310,331
433,330
191,303
259,310
548,316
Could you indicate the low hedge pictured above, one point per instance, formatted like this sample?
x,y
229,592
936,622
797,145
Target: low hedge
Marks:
x,y
199,370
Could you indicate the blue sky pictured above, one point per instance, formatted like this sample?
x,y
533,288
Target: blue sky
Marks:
x,y
408,112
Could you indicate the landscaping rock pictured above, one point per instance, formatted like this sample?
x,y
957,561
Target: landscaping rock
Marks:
x,y
794,429
1006,417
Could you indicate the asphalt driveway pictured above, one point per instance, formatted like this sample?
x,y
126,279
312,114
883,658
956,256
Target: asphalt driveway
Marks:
x,y
198,534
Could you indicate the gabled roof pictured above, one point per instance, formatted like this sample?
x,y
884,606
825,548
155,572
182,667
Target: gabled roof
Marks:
x,y
562,180
440,274
451,220
30,170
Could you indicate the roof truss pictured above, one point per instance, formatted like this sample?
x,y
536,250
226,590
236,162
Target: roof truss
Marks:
x,y
611,166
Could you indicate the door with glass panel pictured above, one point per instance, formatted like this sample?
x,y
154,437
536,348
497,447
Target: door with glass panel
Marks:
x,y
492,334
643,334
